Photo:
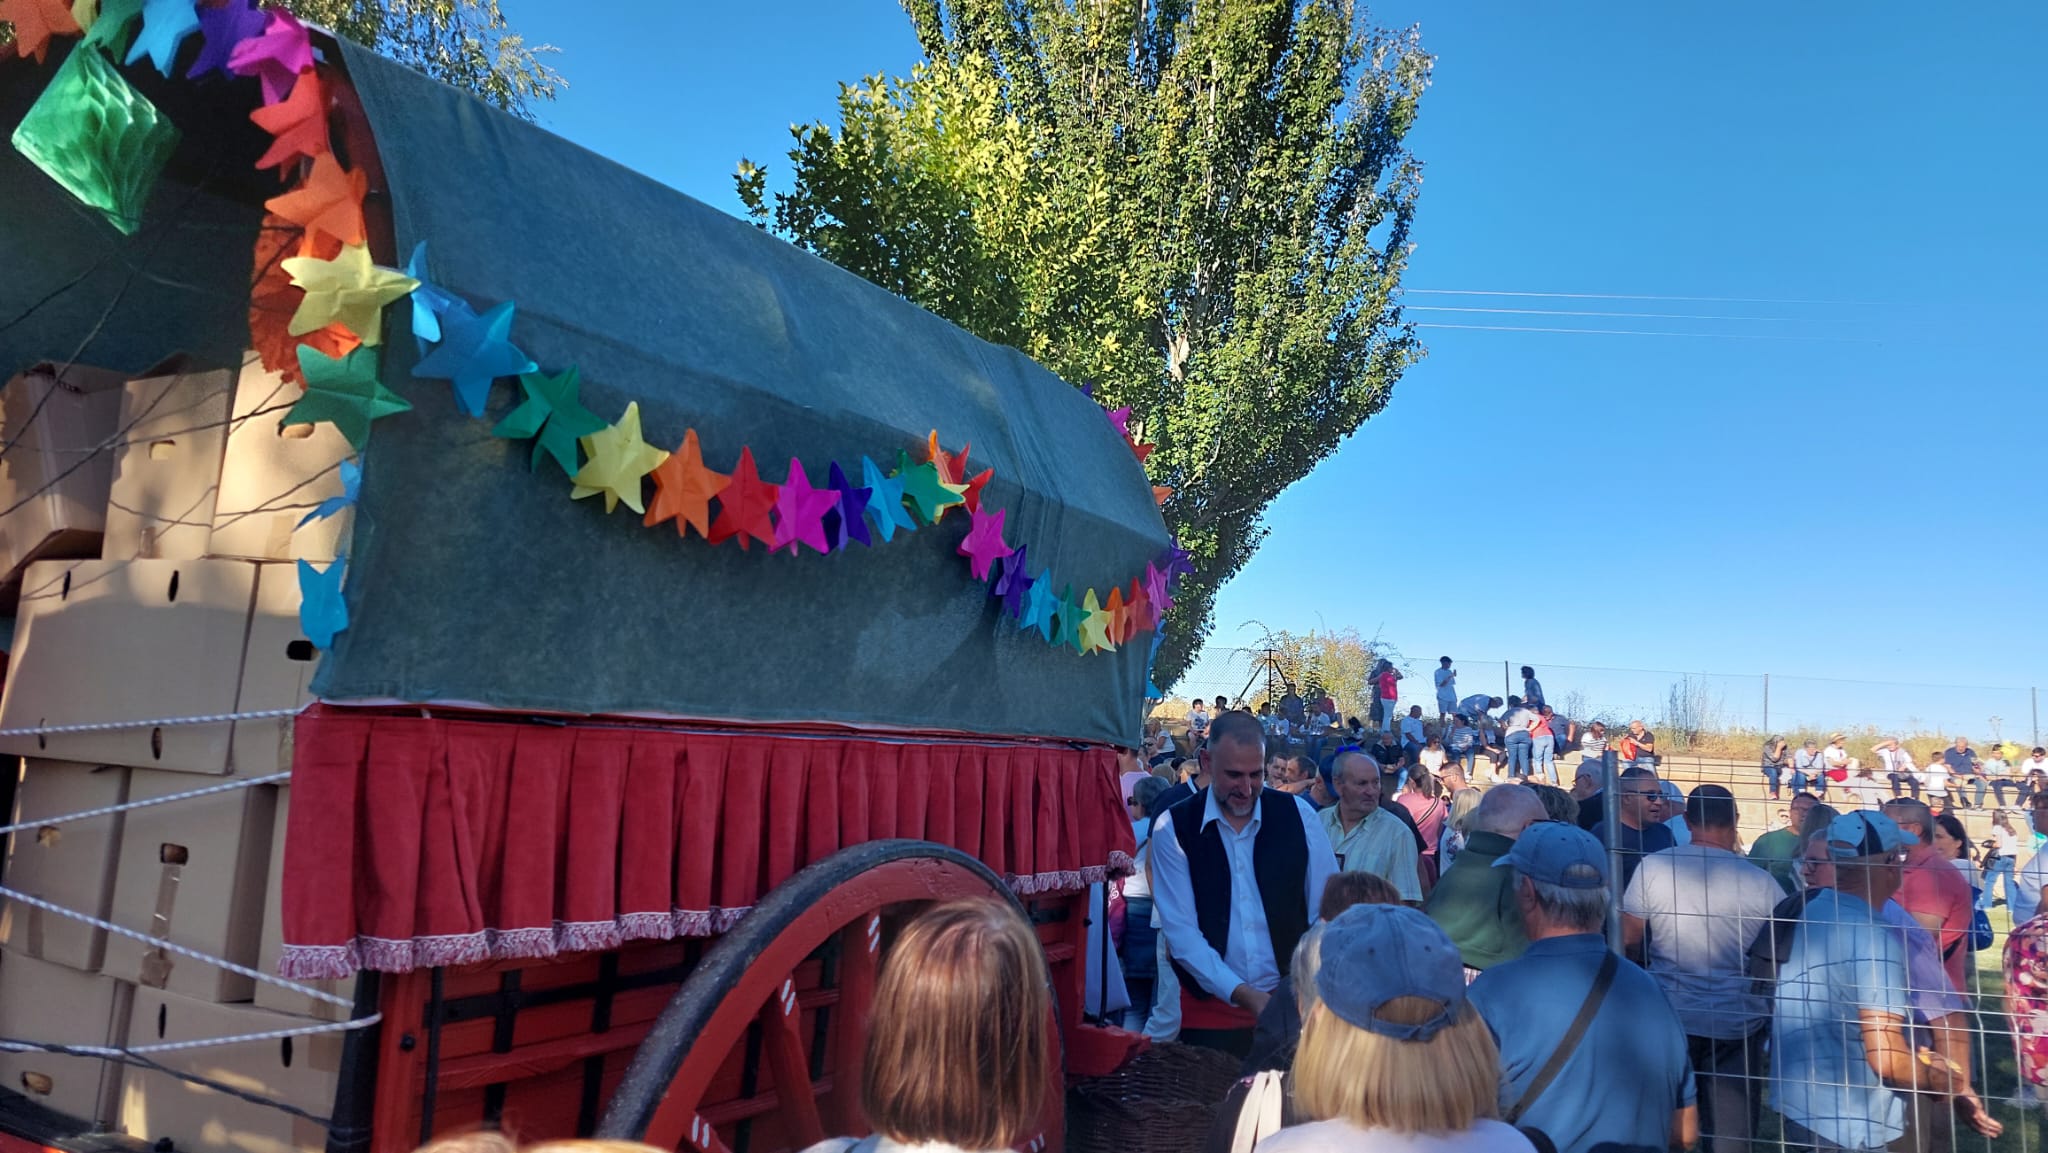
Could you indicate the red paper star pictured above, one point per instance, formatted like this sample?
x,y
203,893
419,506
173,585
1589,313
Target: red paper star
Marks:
x,y
683,489
35,21
1141,450
984,544
744,506
329,203
298,123
800,511
1138,607
973,494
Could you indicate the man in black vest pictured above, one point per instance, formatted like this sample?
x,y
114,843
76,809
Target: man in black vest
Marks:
x,y
1236,869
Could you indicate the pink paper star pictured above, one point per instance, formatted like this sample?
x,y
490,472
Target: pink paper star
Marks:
x,y
1156,592
276,57
800,511
1121,418
984,544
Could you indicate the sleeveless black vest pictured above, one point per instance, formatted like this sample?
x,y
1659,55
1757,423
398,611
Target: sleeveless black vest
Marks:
x,y
1279,864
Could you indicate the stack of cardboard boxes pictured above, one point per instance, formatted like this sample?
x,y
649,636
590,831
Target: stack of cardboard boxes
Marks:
x,y
149,531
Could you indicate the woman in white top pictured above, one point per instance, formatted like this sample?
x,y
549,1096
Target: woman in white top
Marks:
x,y
2001,857
1393,1058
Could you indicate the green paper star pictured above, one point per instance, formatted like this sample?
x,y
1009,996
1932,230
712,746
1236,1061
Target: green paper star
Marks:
x,y
927,490
1070,622
345,393
551,416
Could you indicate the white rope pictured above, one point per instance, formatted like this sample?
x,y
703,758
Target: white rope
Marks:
x,y
159,723
110,810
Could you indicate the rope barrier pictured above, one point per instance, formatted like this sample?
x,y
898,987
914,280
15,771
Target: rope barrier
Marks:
x,y
126,806
159,723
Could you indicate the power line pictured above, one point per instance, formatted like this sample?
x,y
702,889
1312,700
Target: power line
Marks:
x,y
1624,296
1632,315
1646,332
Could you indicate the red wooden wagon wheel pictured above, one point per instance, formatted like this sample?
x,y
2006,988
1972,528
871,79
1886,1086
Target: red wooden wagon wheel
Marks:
x,y
783,1000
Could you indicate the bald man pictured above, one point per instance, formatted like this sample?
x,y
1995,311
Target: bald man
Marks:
x,y
1475,902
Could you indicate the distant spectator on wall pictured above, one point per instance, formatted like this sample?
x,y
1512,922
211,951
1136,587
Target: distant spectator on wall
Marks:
x,y
1446,690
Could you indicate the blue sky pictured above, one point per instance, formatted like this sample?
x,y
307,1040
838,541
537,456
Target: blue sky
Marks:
x,y
1844,487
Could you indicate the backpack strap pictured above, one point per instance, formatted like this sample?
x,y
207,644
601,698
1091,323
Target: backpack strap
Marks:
x,y
1602,981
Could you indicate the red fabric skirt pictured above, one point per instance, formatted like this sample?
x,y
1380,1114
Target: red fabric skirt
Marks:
x,y
418,842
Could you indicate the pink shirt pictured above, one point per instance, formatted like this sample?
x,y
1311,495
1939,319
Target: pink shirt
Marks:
x,y
1390,687
1932,887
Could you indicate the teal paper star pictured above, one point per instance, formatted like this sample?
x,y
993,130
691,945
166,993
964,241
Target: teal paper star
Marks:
x,y
1070,621
1040,606
345,393
165,24
885,500
926,488
551,416
111,29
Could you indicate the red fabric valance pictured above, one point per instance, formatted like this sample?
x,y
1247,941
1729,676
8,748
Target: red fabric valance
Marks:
x,y
418,842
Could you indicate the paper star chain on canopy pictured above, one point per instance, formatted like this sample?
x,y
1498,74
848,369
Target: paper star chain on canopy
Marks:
x,y
345,393
924,488
1015,582
430,302
224,26
328,203
351,491
297,124
322,612
885,501
551,416
744,506
35,22
276,57
683,489
800,511
165,24
848,522
984,544
618,460
1095,625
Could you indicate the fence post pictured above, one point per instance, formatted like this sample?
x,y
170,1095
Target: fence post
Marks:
x,y
1610,803
1507,687
1767,704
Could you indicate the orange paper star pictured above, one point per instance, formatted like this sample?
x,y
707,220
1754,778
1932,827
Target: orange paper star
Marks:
x,y
329,203
1119,616
298,123
1160,493
273,300
683,489
35,21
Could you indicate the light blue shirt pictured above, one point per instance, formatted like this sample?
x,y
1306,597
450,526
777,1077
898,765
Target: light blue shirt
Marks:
x,y
1844,960
1634,1051
1247,957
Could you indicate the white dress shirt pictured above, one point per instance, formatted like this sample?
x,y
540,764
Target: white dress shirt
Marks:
x,y
1247,957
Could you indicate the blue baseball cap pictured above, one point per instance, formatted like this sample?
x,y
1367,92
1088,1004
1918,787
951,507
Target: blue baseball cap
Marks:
x,y
1373,954
1866,833
1558,854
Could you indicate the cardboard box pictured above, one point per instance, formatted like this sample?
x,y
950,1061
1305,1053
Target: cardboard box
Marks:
x,y
192,872
40,1001
277,673
271,949
70,864
272,476
58,463
167,468
300,1071
100,641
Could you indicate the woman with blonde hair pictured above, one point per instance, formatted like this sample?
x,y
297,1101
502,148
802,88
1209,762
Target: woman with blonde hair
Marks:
x,y
1463,802
1393,1056
957,1050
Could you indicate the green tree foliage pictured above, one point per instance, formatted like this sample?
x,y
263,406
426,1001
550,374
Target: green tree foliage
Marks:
x,y
464,43
1201,209
1337,663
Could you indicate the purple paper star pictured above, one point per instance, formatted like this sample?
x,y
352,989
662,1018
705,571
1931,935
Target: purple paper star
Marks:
x,y
224,28
984,544
800,511
1175,561
1121,418
1155,585
276,57
848,520
1015,583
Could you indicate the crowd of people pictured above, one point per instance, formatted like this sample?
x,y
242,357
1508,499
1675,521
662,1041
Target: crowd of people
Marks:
x,y
1821,973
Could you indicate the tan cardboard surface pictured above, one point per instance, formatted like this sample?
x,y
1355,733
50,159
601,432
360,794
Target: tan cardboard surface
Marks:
x,y
70,864
271,948
100,641
58,462
167,469
212,902
272,477
277,669
40,1001
301,1071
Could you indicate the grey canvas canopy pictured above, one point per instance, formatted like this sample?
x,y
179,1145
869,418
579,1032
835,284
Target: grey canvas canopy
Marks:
x,y
475,579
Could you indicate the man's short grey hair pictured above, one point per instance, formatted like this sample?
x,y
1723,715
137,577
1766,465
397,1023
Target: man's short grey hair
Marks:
x,y
1506,810
1372,762
1580,910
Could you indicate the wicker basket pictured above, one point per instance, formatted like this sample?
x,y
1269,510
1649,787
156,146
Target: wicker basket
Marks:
x,y
1163,1100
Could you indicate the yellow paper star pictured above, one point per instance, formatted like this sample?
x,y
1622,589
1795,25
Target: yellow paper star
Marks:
x,y
349,289
618,458
85,12
1095,625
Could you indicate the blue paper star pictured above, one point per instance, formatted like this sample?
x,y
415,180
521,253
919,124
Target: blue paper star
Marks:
x,y
165,24
885,500
1039,606
1152,692
847,521
351,489
321,611
1014,582
224,27
429,300
474,351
